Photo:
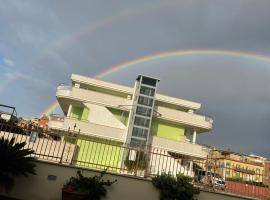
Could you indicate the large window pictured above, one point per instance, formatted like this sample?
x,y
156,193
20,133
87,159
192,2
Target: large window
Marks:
x,y
140,121
149,81
145,101
147,91
136,142
140,132
143,111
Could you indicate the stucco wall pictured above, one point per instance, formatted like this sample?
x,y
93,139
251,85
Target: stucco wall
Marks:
x,y
39,187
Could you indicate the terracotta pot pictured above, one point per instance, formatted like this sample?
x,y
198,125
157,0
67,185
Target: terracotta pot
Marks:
x,y
71,195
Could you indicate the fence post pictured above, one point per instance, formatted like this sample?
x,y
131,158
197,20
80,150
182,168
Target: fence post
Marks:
x,y
75,148
268,177
61,158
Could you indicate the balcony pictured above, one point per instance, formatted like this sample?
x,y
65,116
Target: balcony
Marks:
x,y
181,147
90,129
184,118
90,96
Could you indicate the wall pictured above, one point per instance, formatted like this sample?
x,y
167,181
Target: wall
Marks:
x,y
229,171
39,187
167,130
90,150
80,113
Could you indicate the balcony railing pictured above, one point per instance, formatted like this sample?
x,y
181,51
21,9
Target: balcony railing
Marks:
x,y
91,96
184,117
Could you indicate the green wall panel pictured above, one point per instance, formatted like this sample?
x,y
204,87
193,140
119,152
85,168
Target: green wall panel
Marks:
x,y
98,154
167,130
76,112
85,113
118,114
79,113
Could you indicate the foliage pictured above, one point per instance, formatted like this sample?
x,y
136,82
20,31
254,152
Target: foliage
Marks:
x,y
140,162
15,161
92,187
175,188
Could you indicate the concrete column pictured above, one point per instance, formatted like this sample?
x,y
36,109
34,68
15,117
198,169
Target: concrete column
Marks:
x,y
77,85
190,167
194,135
69,110
190,111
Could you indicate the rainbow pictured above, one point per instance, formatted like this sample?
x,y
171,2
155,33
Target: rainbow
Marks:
x,y
165,55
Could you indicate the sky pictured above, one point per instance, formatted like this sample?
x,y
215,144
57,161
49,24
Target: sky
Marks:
x,y
43,42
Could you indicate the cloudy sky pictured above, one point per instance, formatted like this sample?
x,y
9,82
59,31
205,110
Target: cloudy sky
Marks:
x,y
43,42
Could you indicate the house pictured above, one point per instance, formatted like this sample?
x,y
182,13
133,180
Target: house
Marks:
x,y
135,116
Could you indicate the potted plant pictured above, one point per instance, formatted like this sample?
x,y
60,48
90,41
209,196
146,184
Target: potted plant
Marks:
x,y
138,164
175,188
82,188
15,161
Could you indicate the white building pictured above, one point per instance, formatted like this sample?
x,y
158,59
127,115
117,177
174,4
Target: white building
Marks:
x,y
134,115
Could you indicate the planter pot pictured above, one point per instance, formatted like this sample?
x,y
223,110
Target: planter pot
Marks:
x,y
71,195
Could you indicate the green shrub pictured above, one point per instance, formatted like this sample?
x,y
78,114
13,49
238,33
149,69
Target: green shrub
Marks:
x,y
175,188
92,187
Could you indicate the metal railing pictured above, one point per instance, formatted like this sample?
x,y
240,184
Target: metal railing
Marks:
x,y
73,148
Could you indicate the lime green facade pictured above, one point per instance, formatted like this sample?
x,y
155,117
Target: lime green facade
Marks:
x,y
79,113
97,153
167,130
118,114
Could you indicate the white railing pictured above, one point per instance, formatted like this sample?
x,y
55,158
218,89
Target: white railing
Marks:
x,y
181,147
184,117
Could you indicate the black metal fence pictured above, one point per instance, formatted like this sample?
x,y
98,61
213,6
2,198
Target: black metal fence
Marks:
x,y
71,148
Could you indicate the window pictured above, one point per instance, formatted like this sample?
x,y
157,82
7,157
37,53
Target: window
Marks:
x,y
136,142
140,132
145,101
143,111
149,81
147,91
222,165
142,121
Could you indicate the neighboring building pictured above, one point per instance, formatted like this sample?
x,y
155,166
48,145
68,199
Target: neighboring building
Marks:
x,y
137,116
238,166
266,177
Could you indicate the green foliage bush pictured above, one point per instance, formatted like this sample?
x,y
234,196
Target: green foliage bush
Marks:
x,y
175,188
14,161
92,187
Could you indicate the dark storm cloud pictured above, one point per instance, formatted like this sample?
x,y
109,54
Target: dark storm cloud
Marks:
x,y
48,40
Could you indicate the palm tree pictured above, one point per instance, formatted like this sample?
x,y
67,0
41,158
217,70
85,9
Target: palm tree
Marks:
x,y
15,161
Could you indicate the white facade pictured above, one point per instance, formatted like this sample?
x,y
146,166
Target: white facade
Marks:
x,y
101,109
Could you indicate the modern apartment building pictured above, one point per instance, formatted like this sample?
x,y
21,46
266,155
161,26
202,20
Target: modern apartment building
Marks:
x,y
137,116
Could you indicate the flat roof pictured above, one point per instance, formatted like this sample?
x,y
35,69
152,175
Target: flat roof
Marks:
x,y
129,90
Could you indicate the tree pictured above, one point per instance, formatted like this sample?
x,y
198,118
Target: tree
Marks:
x,y
15,161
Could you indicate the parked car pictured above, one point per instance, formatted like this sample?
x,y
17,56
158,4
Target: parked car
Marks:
x,y
212,178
